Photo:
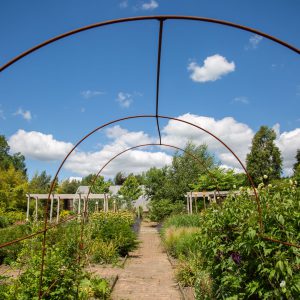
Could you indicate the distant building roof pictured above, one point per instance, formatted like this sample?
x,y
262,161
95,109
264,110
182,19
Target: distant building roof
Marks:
x,y
83,189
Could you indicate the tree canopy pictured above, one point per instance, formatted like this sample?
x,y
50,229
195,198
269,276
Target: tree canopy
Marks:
x,y
264,159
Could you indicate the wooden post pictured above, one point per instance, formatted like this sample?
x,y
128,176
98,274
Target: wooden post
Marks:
x,y
204,197
57,211
79,203
36,208
51,207
115,208
28,205
187,204
191,203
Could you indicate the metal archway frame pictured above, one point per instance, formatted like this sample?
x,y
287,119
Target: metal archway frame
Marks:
x,y
160,18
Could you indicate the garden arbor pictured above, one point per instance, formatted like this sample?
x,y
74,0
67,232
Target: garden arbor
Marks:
x,y
161,20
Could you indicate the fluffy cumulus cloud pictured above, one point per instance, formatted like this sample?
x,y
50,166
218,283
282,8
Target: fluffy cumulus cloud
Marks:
x,y
39,146
25,114
214,67
136,161
288,143
238,136
150,5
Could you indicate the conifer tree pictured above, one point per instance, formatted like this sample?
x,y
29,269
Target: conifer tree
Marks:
x,y
264,160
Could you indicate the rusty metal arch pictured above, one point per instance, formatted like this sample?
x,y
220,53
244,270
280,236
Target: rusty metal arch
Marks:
x,y
161,19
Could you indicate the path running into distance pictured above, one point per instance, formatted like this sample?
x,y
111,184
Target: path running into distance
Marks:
x,y
148,273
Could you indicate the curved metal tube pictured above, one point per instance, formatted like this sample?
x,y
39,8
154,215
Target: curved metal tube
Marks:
x,y
142,18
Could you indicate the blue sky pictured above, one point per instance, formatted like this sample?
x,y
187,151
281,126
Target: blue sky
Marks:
x,y
226,80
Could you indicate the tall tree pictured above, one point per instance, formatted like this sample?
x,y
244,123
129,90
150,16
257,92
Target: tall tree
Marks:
x,y
119,178
130,190
297,163
6,159
186,169
40,183
13,188
68,186
264,159
98,185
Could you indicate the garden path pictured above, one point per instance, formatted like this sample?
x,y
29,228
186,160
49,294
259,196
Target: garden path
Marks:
x,y
148,273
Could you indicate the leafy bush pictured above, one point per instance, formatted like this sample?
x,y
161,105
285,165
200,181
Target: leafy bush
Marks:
x,y
180,241
104,252
236,262
9,254
161,209
114,228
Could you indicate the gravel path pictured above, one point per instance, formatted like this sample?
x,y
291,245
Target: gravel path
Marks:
x,y
147,273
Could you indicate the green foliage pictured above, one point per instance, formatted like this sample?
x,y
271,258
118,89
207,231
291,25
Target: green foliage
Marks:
x,y
234,261
186,169
183,220
119,178
104,252
98,184
40,183
297,163
221,179
264,157
9,254
130,190
154,183
160,209
113,229
10,217
17,160
68,187
13,188
94,288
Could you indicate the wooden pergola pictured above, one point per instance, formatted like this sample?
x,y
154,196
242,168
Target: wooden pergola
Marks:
x,y
80,198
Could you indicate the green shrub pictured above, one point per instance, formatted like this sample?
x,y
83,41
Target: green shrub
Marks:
x,y
9,254
115,228
104,252
161,209
236,262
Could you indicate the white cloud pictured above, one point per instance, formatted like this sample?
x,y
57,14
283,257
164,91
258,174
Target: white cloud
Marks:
x,y
238,136
123,4
124,99
254,40
150,5
241,99
90,94
288,143
135,161
26,114
214,68
39,146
